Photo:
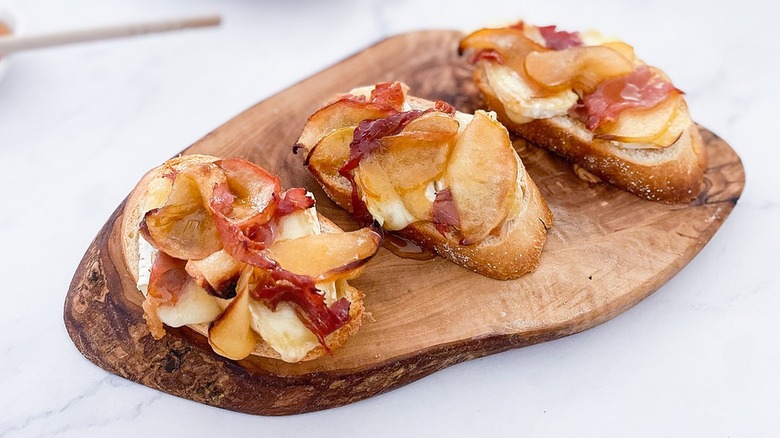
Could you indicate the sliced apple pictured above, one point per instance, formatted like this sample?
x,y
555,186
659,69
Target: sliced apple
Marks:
x,y
680,122
419,201
157,193
231,335
431,127
419,154
253,190
329,155
380,196
219,271
510,43
481,175
660,125
580,68
625,50
183,228
325,256
345,112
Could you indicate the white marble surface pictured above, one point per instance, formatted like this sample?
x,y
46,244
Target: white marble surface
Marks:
x,y
79,125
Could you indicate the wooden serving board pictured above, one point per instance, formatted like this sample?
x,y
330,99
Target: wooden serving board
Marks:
x,y
606,251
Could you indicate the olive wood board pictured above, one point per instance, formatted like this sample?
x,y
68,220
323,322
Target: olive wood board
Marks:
x,y
606,251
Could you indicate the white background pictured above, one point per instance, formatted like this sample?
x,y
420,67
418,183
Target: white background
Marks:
x,y
79,125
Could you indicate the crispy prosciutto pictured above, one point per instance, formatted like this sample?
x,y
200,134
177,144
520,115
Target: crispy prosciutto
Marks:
x,y
445,215
235,208
643,88
166,282
559,39
366,140
308,304
389,94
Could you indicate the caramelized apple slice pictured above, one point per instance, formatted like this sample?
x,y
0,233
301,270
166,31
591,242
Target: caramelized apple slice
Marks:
x,y
231,335
253,190
217,273
327,255
511,44
419,153
580,68
433,127
157,193
646,125
329,155
419,201
680,122
183,228
347,111
381,198
625,50
481,175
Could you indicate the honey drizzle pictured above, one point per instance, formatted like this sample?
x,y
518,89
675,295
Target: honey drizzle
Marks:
x,y
405,248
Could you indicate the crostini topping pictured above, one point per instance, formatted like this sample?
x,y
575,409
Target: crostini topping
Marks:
x,y
222,227
429,163
642,88
365,141
606,76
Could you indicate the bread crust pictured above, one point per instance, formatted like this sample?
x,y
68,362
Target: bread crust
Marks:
x,y
513,252
672,175
516,251
132,215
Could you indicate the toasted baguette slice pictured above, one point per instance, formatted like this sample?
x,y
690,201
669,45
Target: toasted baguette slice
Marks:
x,y
510,251
674,174
513,253
653,160
140,201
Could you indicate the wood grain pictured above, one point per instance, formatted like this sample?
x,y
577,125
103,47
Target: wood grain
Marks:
x,y
606,252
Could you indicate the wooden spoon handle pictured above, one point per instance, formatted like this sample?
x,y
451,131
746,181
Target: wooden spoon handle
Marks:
x,y
12,43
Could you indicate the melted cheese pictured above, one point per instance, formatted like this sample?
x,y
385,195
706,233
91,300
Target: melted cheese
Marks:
x,y
518,98
282,330
146,253
389,211
194,306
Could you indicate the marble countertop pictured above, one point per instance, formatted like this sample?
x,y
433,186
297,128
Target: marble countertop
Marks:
x,y
80,124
